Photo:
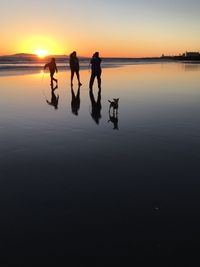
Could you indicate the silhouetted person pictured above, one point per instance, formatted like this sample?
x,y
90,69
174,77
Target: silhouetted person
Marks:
x,y
96,106
96,70
75,103
114,119
74,66
54,98
52,69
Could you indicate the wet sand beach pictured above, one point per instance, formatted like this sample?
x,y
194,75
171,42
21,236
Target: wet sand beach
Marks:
x,y
94,184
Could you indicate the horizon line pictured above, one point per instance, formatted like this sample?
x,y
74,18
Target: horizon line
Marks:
x,y
64,55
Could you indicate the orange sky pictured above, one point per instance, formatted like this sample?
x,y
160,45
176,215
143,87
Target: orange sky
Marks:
x,y
129,29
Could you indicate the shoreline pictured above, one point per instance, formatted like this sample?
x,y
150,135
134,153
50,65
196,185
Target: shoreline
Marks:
x,y
34,68
84,65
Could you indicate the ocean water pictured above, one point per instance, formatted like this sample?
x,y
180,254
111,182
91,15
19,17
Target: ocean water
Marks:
x,y
36,64
78,181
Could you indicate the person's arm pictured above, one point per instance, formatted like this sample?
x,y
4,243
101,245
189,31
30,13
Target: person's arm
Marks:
x,y
56,68
91,61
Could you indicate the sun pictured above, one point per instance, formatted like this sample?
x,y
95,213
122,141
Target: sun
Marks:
x,y
41,53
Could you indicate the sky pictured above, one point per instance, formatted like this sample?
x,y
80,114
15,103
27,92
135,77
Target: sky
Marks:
x,y
117,28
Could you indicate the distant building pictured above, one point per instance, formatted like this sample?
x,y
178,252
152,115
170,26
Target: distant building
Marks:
x,y
192,54
185,56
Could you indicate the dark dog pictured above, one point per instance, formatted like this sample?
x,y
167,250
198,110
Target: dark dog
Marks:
x,y
114,104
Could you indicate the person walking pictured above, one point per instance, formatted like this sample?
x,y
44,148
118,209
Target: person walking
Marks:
x,y
74,67
52,69
96,70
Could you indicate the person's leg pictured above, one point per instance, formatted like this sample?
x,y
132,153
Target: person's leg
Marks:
x,y
55,79
52,78
78,78
99,80
92,80
78,93
72,76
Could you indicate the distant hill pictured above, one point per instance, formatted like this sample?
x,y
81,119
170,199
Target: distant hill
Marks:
x,y
23,55
27,58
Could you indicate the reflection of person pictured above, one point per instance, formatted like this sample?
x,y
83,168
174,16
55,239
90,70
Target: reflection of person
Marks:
x,y
75,103
96,70
52,69
74,66
54,98
96,106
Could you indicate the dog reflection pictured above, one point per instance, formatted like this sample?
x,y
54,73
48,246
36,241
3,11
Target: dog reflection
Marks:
x,y
113,116
54,98
114,119
75,103
96,106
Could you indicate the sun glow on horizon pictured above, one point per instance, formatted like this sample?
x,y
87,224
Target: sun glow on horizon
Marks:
x,y
41,46
41,53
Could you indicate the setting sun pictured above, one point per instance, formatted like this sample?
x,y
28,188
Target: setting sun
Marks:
x,y
41,45
41,53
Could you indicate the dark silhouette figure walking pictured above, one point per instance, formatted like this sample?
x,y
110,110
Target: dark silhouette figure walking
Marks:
x,y
74,67
96,70
54,98
96,106
52,69
75,103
